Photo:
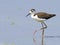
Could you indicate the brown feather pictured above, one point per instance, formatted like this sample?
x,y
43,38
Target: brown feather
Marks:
x,y
45,15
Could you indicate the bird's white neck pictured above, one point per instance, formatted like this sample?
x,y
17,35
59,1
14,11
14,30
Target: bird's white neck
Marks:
x,y
34,17
32,14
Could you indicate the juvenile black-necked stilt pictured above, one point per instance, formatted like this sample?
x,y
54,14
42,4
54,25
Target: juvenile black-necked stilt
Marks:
x,y
40,16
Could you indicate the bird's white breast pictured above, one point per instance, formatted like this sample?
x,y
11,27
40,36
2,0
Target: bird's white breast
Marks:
x,y
36,18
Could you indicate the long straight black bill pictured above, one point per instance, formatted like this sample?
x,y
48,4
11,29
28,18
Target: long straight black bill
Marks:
x,y
27,14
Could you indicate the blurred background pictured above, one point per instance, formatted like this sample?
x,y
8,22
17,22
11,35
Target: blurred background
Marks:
x,y
18,29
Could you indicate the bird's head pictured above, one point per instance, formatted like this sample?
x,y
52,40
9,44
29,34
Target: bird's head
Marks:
x,y
32,11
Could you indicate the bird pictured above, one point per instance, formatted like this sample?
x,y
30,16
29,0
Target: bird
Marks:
x,y
40,16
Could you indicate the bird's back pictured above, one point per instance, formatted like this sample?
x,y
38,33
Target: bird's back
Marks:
x,y
45,15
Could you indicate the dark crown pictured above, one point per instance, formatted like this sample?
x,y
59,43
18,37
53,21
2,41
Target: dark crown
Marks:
x,y
32,10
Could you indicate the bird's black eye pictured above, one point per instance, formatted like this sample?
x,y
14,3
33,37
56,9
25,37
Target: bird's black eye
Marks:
x,y
32,10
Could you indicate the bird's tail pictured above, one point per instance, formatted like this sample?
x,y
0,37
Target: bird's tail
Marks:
x,y
52,15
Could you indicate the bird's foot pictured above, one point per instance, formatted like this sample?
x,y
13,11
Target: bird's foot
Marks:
x,y
43,28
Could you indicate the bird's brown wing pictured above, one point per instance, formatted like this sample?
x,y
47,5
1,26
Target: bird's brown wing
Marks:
x,y
44,15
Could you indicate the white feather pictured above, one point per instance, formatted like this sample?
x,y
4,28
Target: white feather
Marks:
x,y
36,18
